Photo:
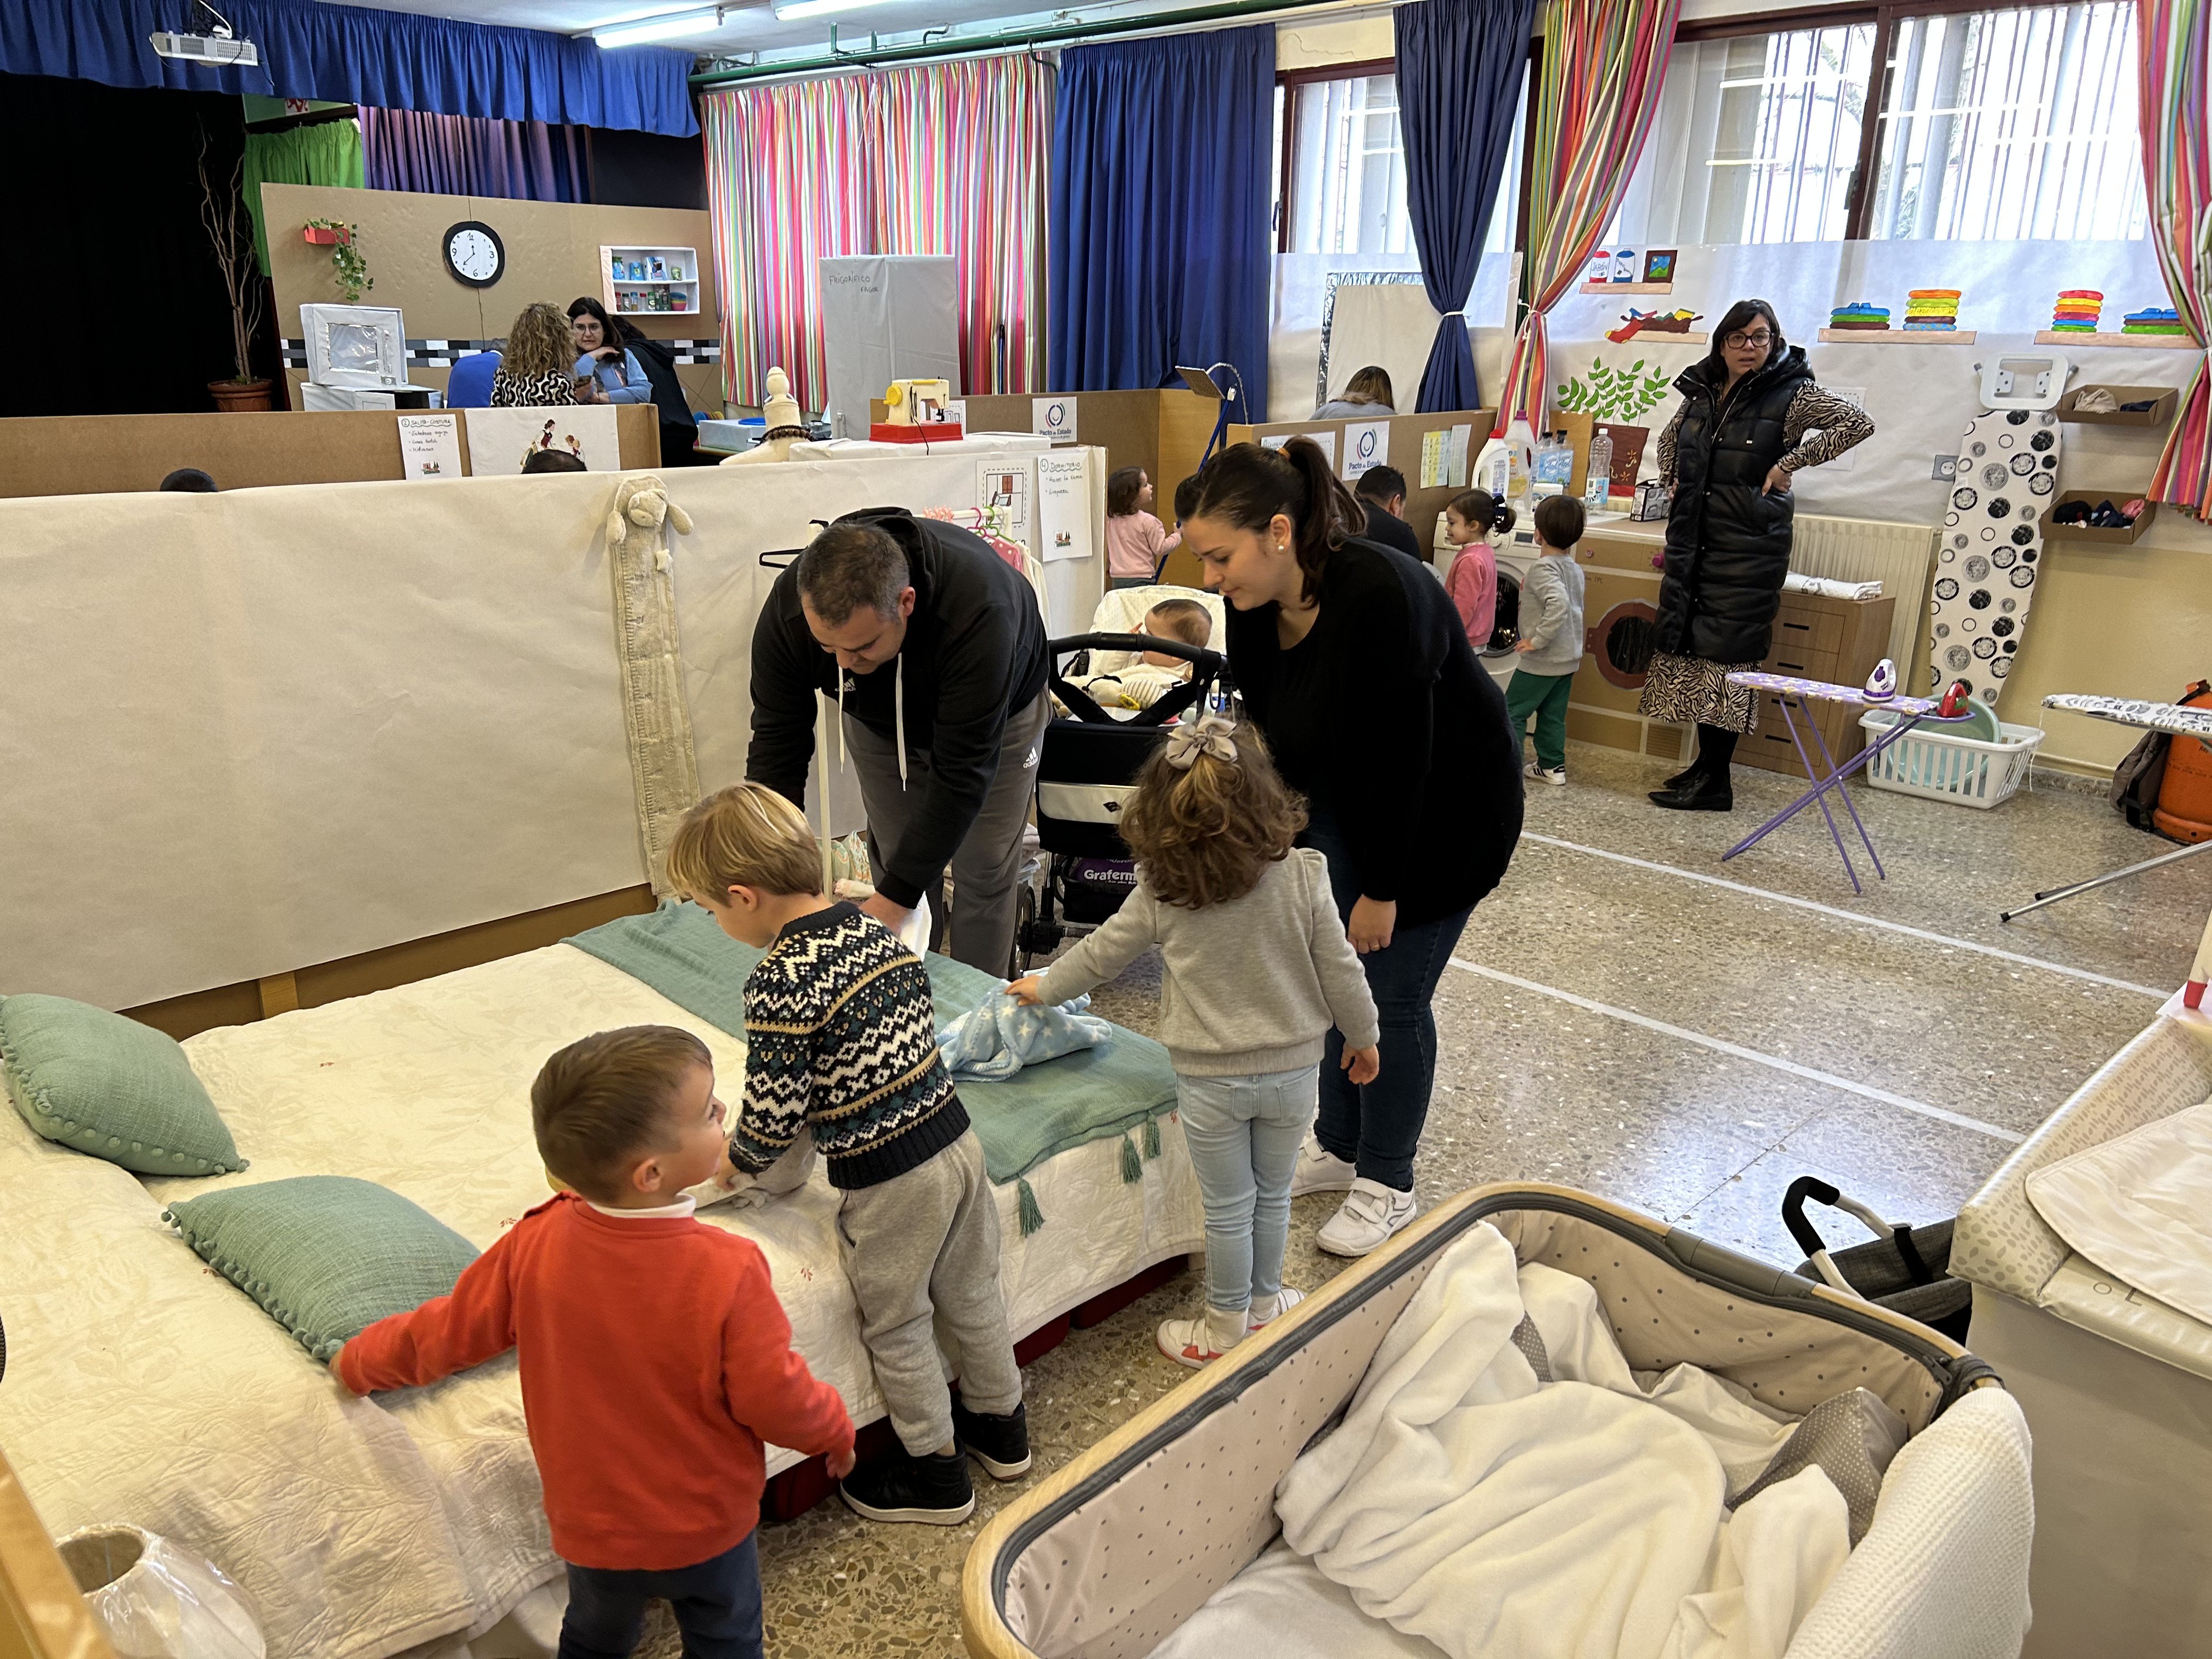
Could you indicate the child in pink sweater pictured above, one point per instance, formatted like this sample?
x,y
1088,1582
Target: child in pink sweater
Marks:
x,y
1134,538
1469,521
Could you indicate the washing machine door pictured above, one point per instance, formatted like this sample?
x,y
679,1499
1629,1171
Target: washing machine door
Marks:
x,y
1506,627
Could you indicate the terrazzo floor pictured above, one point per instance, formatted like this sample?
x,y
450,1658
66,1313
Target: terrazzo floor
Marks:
x,y
1628,1015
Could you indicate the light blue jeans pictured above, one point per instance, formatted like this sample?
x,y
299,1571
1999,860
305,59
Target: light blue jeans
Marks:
x,y
1244,1134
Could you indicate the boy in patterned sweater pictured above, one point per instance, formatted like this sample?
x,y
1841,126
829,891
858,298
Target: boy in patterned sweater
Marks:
x,y
841,1043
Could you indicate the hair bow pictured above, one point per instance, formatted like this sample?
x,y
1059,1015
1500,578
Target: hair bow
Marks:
x,y
1208,735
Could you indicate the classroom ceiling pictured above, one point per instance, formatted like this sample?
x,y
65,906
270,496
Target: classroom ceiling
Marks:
x,y
753,26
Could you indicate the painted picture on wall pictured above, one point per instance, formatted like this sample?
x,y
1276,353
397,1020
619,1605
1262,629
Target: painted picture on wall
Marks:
x,y
1659,265
504,440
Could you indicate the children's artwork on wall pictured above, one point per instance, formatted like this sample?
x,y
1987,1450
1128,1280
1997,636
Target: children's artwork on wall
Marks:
x,y
1659,265
1600,268
1674,325
1623,266
503,440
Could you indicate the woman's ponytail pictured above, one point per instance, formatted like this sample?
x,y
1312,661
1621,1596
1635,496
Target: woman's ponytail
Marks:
x,y
1245,486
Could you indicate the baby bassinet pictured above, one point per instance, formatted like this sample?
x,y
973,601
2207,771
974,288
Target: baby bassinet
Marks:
x,y
1107,1557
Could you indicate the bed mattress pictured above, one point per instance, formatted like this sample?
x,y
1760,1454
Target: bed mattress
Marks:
x,y
143,1388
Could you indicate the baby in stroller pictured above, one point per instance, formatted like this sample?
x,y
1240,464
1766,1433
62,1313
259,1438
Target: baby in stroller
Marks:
x,y
1145,682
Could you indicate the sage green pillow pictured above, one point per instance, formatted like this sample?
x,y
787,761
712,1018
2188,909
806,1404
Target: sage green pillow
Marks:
x,y
98,1083
326,1256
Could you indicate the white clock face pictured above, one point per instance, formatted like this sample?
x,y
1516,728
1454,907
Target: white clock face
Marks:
x,y
473,255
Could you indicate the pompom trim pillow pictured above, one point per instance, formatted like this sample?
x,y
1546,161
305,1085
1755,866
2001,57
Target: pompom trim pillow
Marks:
x,y
97,1083
326,1256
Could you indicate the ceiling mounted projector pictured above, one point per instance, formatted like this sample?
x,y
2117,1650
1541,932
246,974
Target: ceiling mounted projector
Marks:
x,y
219,46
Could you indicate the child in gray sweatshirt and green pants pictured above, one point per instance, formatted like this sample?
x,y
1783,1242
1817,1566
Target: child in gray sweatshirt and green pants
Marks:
x,y
1257,969
1551,642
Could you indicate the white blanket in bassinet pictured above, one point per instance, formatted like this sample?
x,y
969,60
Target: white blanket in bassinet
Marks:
x,y
1467,1504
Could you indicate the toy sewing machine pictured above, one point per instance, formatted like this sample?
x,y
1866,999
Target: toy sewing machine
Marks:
x,y
916,412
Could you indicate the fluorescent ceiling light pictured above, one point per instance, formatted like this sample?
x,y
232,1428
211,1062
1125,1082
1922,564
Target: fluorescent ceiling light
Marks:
x,y
659,28
798,9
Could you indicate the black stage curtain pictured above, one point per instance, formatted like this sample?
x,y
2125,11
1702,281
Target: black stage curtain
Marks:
x,y
116,303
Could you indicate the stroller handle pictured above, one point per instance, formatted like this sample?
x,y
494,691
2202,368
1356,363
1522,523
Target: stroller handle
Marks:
x,y
1198,655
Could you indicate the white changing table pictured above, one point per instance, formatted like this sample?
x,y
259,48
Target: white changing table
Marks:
x,y
2116,1387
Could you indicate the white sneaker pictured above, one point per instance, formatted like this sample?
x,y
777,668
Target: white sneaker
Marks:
x,y
1557,774
1321,1170
1199,1342
1263,1314
1368,1217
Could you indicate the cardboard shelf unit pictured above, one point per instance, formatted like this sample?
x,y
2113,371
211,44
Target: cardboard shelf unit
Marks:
x,y
1898,336
613,289
2161,413
2082,532
1815,637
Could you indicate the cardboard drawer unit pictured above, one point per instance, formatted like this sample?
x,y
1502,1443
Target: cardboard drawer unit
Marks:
x,y
1838,640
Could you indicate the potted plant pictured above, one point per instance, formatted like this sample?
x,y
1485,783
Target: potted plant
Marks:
x,y
230,233
1615,398
348,269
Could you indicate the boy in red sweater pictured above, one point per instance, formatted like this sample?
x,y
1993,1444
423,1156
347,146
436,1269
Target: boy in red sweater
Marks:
x,y
656,1358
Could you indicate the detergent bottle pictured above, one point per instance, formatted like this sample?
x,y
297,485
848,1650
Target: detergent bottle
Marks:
x,y
1520,445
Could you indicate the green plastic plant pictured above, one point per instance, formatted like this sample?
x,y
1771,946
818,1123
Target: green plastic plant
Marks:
x,y
1618,395
348,269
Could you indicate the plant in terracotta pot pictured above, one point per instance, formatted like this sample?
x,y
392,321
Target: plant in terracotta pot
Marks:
x,y
1615,399
348,269
230,233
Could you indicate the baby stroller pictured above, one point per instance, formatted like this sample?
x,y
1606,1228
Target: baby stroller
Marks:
x,y
1088,760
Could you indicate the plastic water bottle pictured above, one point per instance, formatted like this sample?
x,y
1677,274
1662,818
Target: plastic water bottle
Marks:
x,y
1555,464
1597,483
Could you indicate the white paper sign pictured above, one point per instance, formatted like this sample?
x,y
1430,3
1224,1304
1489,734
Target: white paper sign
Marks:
x,y
430,446
1366,443
1002,494
1064,527
957,412
503,440
1054,417
1326,440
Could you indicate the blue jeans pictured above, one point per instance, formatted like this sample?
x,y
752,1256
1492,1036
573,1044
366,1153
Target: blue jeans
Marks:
x,y
1378,1127
1244,1134
717,1604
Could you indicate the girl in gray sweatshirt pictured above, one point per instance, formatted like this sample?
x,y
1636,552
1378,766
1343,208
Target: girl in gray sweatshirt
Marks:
x,y
1257,969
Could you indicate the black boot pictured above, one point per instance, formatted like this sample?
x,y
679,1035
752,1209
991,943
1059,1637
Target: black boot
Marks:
x,y
903,1487
1702,793
1689,774
1000,1445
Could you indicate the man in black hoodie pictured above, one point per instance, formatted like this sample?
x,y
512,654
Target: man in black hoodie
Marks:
x,y
933,646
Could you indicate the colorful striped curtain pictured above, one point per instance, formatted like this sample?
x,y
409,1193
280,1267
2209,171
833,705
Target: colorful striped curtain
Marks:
x,y
1604,64
940,158
2173,37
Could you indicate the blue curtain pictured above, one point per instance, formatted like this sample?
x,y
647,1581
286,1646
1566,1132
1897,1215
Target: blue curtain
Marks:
x,y
354,55
471,155
1158,240
1459,85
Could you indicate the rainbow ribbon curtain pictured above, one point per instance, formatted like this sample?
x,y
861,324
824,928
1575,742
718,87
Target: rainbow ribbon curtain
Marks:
x,y
2177,152
1604,63
940,158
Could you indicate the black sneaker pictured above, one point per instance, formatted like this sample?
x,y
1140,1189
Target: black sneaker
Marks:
x,y
1000,1445
903,1487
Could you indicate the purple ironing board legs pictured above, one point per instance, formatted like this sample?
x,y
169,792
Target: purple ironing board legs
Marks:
x,y
1825,779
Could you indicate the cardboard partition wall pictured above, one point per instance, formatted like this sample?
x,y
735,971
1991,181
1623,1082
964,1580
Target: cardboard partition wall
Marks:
x,y
96,454
1408,437
551,254
1164,432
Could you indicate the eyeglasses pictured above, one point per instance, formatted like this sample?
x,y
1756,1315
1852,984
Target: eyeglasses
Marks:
x,y
1743,342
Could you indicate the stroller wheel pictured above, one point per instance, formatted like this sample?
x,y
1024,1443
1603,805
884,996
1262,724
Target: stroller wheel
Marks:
x,y
1024,934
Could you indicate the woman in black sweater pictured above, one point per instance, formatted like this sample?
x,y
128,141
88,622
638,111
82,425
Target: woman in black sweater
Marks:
x,y
1353,661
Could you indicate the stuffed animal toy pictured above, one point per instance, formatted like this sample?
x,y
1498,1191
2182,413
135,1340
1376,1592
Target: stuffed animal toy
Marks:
x,y
643,501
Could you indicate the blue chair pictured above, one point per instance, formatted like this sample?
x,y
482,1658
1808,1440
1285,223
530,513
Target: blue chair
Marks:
x,y
469,386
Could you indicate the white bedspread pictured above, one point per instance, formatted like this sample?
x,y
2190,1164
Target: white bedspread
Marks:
x,y
1466,1504
2139,1207
142,1387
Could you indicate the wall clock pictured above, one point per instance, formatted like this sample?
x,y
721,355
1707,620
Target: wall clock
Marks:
x,y
475,254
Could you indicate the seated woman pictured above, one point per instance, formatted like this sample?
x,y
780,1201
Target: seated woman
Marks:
x,y
602,344
536,366
1367,396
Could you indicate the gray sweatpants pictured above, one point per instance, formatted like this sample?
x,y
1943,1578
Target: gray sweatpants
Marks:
x,y
988,864
921,1251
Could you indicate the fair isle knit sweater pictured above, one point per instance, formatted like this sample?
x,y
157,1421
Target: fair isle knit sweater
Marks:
x,y
840,1037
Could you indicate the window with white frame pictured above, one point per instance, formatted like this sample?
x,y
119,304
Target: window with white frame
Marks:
x,y
1344,189
2011,124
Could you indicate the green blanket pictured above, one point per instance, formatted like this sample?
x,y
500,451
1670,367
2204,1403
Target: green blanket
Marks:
x,y
1111,1090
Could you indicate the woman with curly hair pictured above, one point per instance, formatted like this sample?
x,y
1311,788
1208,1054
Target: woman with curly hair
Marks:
x,y
1257,969
538,365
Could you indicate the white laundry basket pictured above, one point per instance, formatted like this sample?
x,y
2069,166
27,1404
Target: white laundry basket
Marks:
x,y
1939,765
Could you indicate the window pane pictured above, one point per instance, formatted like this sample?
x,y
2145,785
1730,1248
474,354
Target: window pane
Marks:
x,y
2012,125
1754,141
1348,175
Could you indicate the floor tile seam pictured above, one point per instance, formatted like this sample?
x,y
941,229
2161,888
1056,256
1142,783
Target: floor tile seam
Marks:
x,y
1721,1045
1841,915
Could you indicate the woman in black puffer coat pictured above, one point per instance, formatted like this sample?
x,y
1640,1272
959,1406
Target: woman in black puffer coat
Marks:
x,y
1729,453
